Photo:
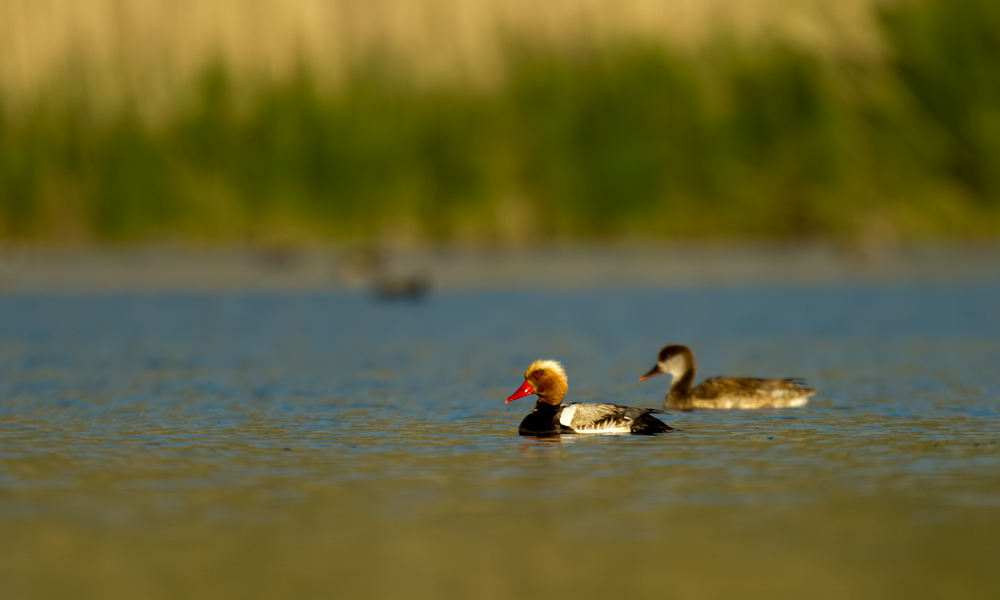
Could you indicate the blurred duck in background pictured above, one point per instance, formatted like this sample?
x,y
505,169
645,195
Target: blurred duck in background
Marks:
x,y
371,267
723,392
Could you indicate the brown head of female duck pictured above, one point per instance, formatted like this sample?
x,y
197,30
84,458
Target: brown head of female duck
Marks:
x,y
723,392
547,380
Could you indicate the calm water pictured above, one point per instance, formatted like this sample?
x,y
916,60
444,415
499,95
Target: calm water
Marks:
x,y
328,445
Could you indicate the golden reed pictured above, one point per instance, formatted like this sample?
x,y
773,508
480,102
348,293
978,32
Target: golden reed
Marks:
x,y
150,49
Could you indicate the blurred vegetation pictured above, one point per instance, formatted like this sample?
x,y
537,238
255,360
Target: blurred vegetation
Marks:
x,y
634,141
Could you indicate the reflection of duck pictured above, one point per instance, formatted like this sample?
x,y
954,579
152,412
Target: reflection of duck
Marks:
x,y
723,392
547,379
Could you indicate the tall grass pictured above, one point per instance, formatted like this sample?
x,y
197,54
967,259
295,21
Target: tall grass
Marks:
x,y
146,49
624,139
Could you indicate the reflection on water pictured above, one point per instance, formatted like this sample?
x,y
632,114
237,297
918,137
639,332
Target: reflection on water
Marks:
x,y
163,446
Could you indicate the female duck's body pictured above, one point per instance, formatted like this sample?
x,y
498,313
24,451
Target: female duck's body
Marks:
x,y
723,392
547,379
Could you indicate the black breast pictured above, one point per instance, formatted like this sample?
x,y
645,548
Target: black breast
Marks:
x,y
544,420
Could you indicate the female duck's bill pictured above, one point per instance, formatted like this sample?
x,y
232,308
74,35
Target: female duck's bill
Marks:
x,y
547,379
723,392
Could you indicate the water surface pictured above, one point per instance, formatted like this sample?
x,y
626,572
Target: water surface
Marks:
x,y
330,445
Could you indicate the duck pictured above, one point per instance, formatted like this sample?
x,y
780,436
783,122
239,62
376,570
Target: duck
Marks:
x,y
723,392
547,380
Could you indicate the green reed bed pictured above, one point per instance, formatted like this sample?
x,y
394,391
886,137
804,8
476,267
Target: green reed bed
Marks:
x,y
629,141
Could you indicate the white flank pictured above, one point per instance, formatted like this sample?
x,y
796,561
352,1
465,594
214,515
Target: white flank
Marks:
x,y
619,427
797,402
566,420
566,416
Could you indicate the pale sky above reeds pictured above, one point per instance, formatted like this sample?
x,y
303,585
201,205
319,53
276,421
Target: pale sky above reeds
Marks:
x,y
150,47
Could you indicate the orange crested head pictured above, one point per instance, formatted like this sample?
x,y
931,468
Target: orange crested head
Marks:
x,y
546,379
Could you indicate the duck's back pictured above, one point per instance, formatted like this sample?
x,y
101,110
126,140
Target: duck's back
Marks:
x,y
749,393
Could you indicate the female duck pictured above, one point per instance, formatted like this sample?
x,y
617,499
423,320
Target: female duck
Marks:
x,y
723,392
547,379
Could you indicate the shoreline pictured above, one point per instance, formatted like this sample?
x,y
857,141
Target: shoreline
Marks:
x,y
577,267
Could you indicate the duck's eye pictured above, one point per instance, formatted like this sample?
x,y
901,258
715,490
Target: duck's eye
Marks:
x,y
537,374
